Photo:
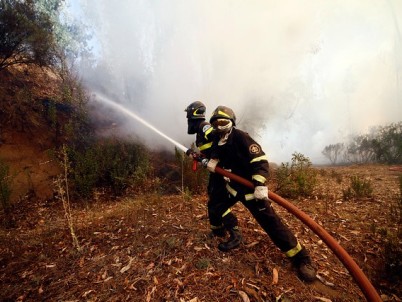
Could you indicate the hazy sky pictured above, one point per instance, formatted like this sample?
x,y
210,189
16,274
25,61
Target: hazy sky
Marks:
x,y
299,75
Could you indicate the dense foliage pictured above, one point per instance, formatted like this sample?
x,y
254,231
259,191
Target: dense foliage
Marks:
x,y
37,32
110,163
25,35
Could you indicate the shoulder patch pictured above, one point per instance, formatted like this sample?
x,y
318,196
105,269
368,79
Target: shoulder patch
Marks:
x,y
254,149
205,128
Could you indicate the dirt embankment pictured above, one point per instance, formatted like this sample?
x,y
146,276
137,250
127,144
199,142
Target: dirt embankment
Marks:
x,y
26,134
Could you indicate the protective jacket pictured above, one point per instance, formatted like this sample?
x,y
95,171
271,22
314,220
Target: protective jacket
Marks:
x,y
204,138
243,156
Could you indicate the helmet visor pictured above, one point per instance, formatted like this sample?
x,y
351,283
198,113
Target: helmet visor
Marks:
x,y
222,125
220,122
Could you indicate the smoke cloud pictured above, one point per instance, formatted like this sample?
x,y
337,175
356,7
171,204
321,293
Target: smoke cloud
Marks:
x,y
300,75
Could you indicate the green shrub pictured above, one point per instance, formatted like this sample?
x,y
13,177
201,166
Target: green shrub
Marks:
x,y
392,242
296,179
83,171
5,192
358,188
111,163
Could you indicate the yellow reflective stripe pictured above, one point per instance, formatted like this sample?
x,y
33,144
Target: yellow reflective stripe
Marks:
x,y
260,158
223,113
231,190
294,251
259,178
249,196
214,227
227,212
206,146
208,132
195,113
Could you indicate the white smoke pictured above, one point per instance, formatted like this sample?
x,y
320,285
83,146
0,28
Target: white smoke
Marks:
x,y
300,75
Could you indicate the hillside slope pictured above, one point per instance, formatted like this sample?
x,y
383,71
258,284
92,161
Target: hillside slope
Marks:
x,y
26,134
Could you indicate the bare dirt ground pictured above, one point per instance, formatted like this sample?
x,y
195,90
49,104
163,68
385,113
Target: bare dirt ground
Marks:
x,y
155,248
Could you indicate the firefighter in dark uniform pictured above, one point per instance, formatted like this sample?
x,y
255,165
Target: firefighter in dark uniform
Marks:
x,y
236,151
220,216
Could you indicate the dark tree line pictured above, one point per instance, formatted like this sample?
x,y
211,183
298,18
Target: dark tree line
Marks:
x,y
382,145
25,35
31,32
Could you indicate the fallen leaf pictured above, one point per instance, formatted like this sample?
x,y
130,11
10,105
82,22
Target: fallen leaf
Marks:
x,y
252,244
104,275
275,276
127,267
323,299
243,296
150,266
178,282
87,293
322,279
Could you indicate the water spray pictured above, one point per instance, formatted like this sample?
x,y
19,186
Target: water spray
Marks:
x,y
360,278
141,120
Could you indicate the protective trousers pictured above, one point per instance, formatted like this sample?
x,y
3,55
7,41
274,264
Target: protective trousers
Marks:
x,y
279,233
219,204
267,218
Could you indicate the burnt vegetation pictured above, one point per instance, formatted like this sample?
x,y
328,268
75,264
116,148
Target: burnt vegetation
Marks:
x,y
123,223
382,145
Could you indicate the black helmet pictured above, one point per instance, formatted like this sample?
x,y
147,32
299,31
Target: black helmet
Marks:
x,y
223,112
195,111
223,119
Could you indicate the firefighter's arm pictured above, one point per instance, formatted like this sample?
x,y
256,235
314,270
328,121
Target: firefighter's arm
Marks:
x,y
210,164
213,158
259,167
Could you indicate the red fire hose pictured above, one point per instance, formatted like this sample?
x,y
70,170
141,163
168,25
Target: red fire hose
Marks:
x,y
361,279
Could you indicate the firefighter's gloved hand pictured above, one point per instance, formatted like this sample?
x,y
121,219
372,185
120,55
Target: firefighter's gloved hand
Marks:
x,y
204,162
190,153
261,192
210,164
227,179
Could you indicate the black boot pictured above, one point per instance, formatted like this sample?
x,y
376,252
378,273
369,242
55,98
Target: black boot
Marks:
x,y
233,242
305,268
219,232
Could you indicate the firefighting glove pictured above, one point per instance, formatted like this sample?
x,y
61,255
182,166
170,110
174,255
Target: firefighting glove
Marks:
x,y
227,179
261,192
190,153
210,164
